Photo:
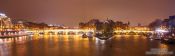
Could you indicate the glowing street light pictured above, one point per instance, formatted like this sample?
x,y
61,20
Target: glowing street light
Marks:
x,y
161,30
2,15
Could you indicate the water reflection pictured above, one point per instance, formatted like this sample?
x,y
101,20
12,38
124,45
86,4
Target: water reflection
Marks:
x,y
75,45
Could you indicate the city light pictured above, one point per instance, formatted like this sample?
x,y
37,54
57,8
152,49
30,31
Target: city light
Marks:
x,y
87,28
161,30
3,15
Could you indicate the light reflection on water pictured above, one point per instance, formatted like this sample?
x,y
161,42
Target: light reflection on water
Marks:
x,y
74,45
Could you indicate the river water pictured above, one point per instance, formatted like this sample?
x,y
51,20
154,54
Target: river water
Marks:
x,y
75,45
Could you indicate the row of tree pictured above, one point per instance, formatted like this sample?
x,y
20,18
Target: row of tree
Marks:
x,y
35,25
97,24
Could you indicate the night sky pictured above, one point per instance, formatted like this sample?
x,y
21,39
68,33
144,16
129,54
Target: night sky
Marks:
x,y
71,12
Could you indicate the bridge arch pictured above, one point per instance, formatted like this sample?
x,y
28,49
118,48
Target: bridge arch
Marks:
x,y
71,33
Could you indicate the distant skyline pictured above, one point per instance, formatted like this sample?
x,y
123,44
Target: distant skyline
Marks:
x,y
70,13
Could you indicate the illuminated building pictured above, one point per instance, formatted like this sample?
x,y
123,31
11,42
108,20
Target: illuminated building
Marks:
x,y
5,22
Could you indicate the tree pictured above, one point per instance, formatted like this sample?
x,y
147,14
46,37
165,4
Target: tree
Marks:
x,y
155,24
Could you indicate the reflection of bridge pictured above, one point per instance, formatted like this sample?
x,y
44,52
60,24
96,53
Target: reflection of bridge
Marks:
x,y
82,31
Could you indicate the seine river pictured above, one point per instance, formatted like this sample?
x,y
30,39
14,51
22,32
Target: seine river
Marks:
x,y
75,45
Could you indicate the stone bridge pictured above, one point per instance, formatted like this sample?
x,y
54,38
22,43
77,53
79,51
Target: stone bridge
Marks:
x,y
83,31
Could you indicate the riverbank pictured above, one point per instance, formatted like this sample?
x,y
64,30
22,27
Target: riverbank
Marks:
x,y
11,36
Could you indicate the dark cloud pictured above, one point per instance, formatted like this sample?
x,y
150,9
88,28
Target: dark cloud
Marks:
x,y
70,12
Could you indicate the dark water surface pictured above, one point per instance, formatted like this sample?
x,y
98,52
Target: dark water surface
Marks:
x,y
74,45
